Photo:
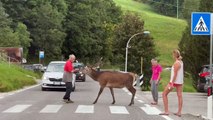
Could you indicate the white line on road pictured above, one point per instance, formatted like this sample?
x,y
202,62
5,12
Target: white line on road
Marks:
x,y
118,110
3,95
147,105
85,109
141,101
16,109
166,117
125,90
51,109
151,110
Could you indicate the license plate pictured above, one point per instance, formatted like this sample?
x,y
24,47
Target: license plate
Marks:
x,y
57,83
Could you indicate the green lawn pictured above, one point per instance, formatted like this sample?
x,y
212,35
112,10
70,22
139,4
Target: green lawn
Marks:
x,y
166,31
14,77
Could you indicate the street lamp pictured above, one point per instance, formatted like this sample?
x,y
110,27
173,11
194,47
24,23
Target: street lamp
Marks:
x,y
127,46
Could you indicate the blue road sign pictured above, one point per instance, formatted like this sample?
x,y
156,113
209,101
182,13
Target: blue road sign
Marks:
x,y
41,54
201,23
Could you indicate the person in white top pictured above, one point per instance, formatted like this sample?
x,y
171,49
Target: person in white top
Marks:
x,y
176,81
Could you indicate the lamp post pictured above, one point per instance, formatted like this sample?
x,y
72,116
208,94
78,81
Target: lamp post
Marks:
x,y
127,46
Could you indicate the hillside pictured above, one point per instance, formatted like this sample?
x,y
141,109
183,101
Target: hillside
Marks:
x,y
14,77
166,31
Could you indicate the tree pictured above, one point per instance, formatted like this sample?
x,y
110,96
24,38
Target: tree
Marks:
x,y
195,49
44,21
24,37
88,26
141,46
7,36
166,7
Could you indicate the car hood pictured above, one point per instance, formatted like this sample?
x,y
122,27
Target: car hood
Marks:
x,y
53,74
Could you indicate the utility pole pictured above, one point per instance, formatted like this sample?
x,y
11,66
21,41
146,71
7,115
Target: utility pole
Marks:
x,y
177,8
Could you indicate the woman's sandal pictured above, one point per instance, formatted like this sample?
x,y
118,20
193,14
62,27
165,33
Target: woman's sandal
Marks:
x,y
179,115
164,114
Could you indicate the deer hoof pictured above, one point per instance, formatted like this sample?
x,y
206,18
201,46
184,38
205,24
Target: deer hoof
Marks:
x,y
113,102
130,104
94,102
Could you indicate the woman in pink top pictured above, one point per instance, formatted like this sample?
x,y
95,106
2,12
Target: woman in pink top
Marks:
x,y
156,71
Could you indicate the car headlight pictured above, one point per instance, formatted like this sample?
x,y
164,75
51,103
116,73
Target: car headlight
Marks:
x,y
45,78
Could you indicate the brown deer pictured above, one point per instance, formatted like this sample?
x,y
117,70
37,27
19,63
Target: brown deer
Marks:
x,y
112,79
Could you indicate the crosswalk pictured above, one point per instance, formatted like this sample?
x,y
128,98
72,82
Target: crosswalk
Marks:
x,y
56,108
83,109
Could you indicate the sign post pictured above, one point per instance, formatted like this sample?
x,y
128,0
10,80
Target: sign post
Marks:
x,y
41,56
201,25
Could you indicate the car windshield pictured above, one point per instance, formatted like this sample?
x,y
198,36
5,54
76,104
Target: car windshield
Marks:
x,y
78,65
55,67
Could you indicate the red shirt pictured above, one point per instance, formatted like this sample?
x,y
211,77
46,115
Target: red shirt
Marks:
x,y
68,67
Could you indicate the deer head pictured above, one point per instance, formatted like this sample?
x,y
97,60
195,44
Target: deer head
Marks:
x,y
87,70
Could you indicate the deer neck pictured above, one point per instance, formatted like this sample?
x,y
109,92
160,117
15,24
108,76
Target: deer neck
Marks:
x,y
94,75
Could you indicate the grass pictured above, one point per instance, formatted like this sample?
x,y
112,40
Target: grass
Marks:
x,y
166,77
166,31
14,77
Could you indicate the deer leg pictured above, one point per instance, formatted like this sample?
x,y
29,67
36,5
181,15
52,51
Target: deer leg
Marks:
x,y
113,97
132,90
99,93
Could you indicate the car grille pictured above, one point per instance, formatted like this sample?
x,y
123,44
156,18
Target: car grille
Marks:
x,y
55,79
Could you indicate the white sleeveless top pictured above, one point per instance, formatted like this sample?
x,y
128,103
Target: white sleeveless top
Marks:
x,y
180,75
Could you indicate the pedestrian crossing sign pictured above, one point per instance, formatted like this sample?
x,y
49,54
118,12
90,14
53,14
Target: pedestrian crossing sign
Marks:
x,y
201,23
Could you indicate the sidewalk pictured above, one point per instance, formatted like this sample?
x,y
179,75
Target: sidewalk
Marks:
x,y
194,104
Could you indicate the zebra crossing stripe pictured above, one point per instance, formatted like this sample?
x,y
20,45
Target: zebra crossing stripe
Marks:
x,y
85,109
166,117
16,109
51,109
140,101
118,110
151,110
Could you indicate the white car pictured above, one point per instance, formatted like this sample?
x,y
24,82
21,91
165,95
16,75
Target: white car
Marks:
x,y
52,77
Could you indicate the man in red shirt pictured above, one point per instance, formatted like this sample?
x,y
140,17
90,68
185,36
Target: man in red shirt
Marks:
x,y
67,78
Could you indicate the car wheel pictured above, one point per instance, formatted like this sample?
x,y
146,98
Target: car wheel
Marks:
x,y
43,89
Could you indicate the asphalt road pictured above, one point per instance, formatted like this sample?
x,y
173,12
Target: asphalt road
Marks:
x,y
34,104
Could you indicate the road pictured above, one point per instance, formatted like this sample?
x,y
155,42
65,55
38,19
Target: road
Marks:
x,y
34,104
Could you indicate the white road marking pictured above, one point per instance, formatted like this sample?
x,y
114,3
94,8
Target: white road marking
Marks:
x,y
166,117
140,101
85,109
151,110
147,105
118,110
3,95
51,109
125,90
16,109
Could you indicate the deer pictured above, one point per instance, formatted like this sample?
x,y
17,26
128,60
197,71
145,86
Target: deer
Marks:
x,y
112,79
